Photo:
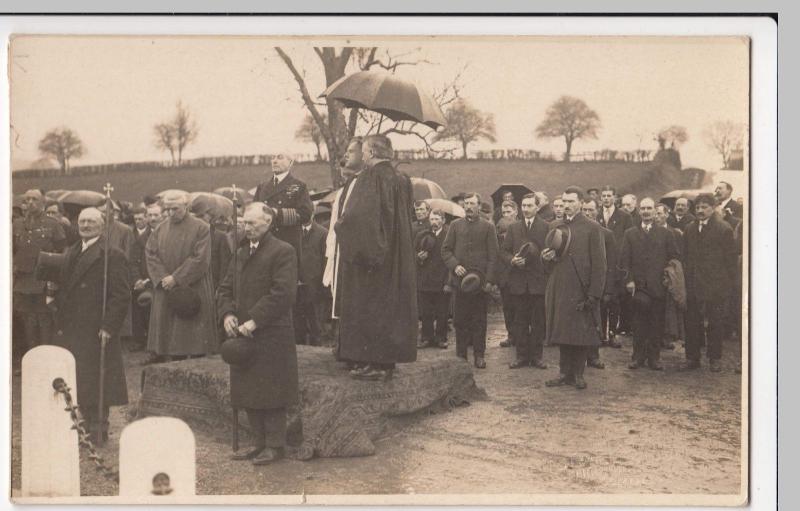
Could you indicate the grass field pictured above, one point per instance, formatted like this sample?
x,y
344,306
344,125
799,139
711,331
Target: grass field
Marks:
x,y
483,176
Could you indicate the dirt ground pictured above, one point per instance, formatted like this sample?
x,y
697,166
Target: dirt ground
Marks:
x,y
636,431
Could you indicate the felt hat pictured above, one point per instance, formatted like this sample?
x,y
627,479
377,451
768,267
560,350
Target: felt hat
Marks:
x,y
472,282
48,265
184,301
145,298
427,241
527,250
238,351
559,239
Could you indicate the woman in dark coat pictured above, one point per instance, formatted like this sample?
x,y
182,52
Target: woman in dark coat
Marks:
x,y
266,269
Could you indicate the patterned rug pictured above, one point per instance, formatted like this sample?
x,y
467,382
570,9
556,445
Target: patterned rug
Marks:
x,y
337,416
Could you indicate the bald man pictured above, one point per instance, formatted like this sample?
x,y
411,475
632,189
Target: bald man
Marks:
x,y
34,232
178,254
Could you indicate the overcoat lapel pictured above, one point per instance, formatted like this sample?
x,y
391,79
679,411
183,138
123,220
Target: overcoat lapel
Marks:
x,y
270,189
84,262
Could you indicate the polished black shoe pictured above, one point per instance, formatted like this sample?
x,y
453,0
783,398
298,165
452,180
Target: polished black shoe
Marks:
x,y
480,363
580,383
560,381
506,344
269,455
596,363
538,364
247,455
517,364
635,365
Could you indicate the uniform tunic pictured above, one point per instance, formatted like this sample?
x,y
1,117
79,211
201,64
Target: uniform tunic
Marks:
x,y
183,250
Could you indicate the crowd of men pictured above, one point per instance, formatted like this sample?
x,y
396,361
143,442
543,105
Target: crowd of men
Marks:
x,y
384,280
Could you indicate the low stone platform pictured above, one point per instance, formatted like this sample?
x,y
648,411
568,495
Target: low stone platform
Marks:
x,y
336,417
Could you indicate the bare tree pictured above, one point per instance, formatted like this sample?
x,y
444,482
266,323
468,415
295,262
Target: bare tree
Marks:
x,y
467,124
165,138
570,118
63,144
309,132
338,129
674,136
725,137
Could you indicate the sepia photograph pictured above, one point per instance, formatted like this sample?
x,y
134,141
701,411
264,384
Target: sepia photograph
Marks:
x,y
343,269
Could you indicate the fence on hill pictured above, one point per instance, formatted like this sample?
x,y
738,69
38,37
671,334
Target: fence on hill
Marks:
x,y
605,155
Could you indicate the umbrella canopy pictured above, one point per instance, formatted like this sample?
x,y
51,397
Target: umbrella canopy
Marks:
x,y
447,207
162,193
55,194
242,196
386,94
83,198
426,189
519,191
211,203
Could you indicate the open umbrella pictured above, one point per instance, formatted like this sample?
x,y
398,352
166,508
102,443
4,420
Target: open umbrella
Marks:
x,y
242,196
519,191
55,194
83,198
426,189
447,207
386,94
162,193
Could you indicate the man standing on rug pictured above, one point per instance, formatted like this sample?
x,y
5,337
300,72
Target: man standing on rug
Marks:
x,y
574,289
377,274
178,256
470,250
81,325
266,277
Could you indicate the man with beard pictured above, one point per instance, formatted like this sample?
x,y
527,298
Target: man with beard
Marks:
x,y
378,307
509,217
434,303
574,289
178,256
646,250
682,217
81,325
710,261
470,249
526,283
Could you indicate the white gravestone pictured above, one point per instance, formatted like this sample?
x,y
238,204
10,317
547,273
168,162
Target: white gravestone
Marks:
x,y
157,460
50,457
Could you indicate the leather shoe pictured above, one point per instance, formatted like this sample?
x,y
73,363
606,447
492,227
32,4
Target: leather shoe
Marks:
x,y
596,363
580,383
715,366
517,364
480,363
269,455
538,364
247,455
561,380
506,344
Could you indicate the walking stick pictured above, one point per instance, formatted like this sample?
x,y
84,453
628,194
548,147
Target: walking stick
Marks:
x,y
99,435
235,424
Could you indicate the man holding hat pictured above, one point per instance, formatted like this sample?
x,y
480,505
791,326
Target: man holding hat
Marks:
x,y
527,281
575,257
470,251
434,303
258,321
178,255
647,248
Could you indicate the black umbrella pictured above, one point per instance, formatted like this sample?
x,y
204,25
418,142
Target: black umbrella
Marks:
x,y
519,191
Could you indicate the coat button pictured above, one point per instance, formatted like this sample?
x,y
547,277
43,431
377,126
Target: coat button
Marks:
x,y
60,332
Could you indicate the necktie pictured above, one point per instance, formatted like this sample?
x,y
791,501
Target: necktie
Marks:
x,y
529,223
253,248
275,181
700,227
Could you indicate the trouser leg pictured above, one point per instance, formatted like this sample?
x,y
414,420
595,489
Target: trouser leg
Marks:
x,y
716,314
93,421
274,427
579,357
508,312
521,327
256,419
479,308
694,329
461,321
656,331
538,327
564,360
428,314
441,306
641,331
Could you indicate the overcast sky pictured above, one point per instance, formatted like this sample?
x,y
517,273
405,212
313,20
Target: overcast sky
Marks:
x,y
112,90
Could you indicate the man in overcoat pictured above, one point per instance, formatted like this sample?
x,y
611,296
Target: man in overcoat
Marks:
x,y
646,250
141,314
80,323
178,253
710,261
311,297
434,302
681,217
527,281
377,275
617,221
471,245
574,289
266,282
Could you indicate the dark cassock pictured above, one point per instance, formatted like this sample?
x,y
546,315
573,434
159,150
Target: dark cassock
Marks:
x,y
433,301
311,297
646,251
376,283
578,273
140,314
418,226
220,255
181,249
267,283
79,318
289,197
120,237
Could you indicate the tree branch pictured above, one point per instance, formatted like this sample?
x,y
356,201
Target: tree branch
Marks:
x,y
326,132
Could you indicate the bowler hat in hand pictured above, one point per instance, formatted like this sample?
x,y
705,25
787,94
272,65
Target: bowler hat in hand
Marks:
x,y
238,351
48,265
184,301
145,298
472,282
527,249
559,239
427,242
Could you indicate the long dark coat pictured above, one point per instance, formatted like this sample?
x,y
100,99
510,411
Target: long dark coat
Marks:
x,y
709,260
267,283
432,272
644,257
313,259
568,285
377,276
531,278
220,256
79,318
613,276
681,224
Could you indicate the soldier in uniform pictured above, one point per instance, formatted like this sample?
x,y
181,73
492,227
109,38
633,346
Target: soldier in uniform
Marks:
x,y
33,233
288,196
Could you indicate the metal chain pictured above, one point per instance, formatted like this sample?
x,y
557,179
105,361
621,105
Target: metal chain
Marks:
x,y
83,436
